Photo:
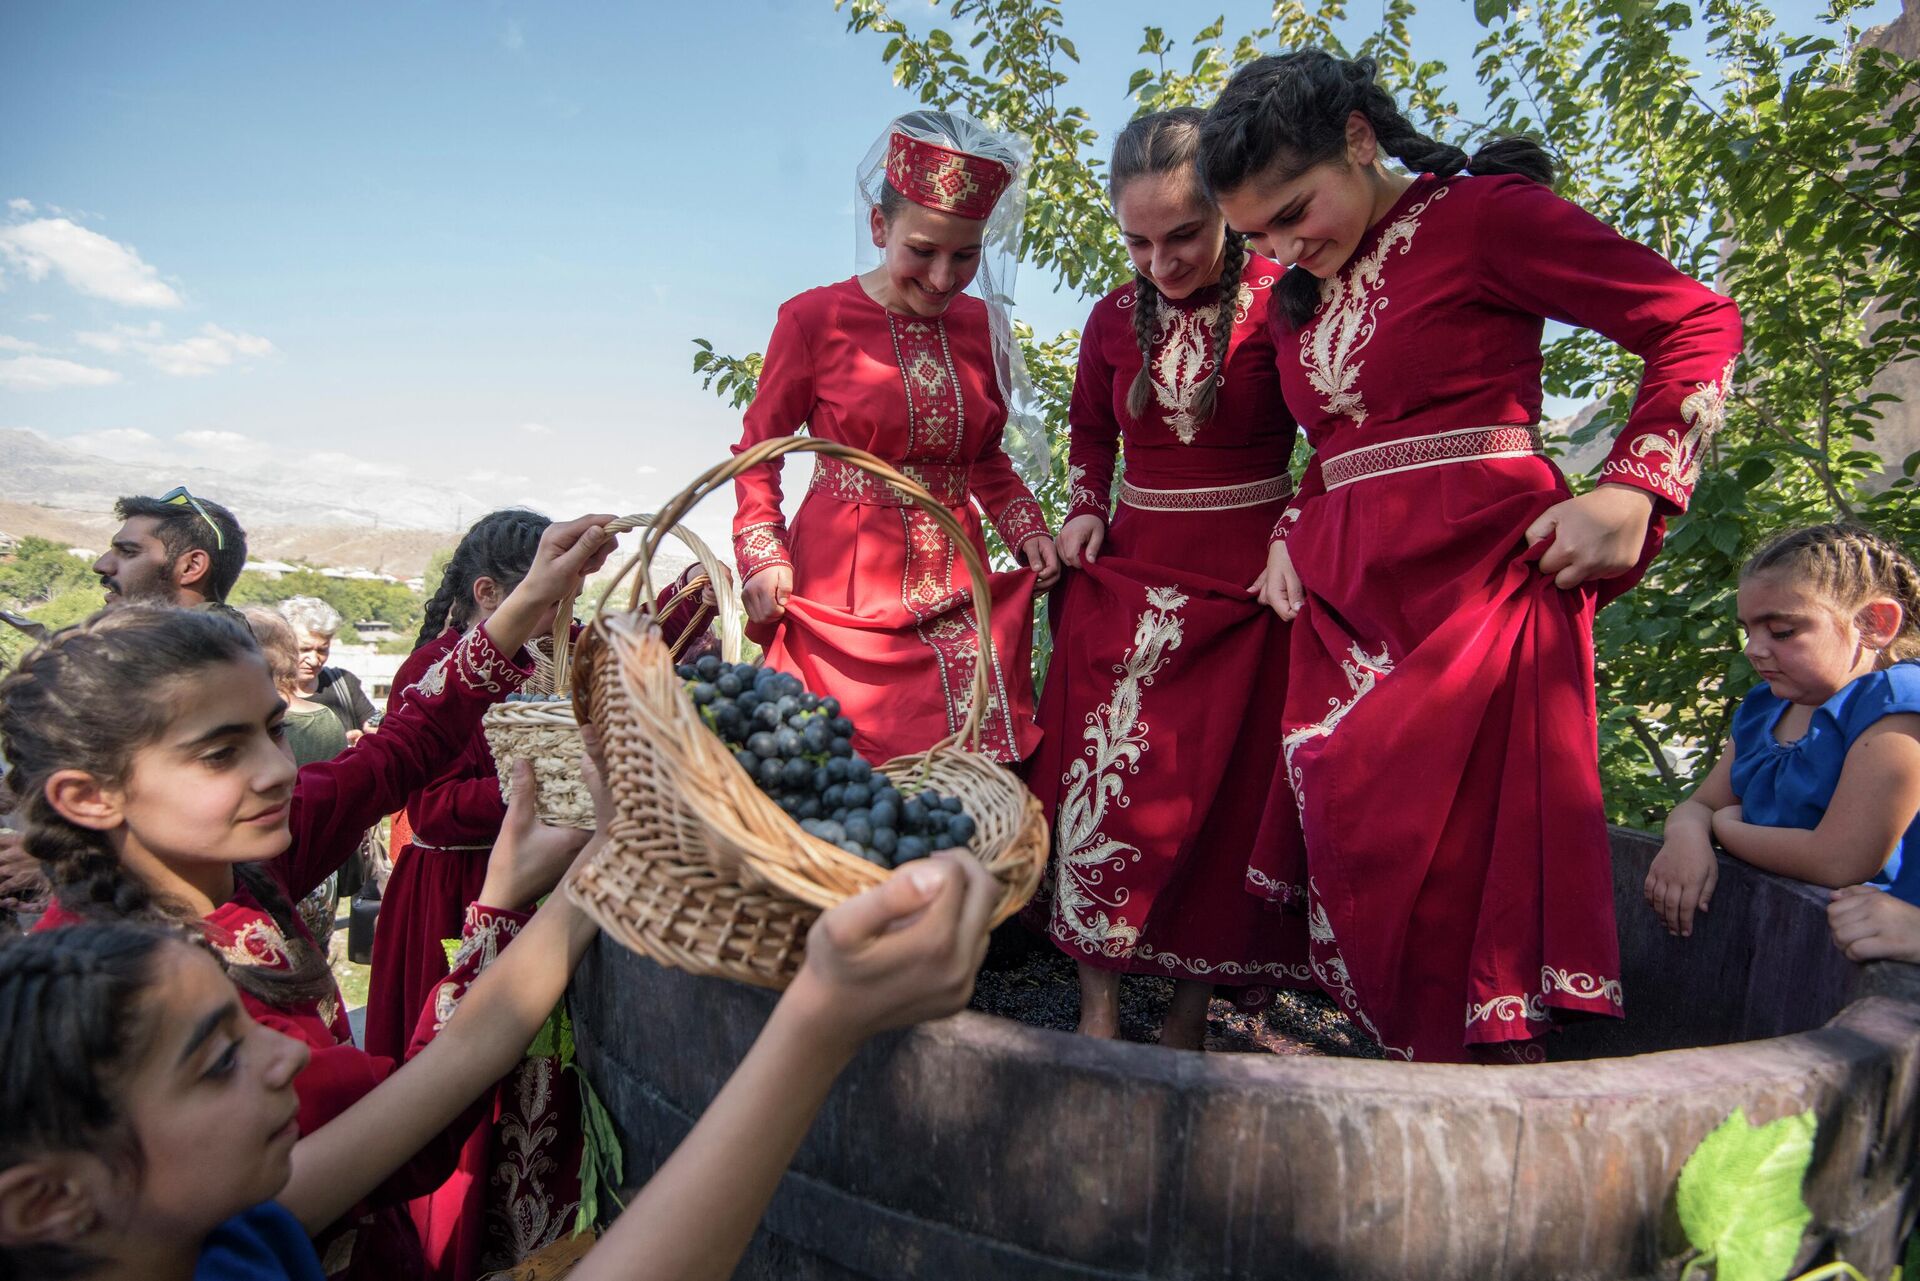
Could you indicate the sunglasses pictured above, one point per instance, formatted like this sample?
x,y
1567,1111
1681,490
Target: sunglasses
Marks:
x,y
179,497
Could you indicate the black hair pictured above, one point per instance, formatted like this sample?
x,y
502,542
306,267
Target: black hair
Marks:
x,y
90,698
1287,113
1167,142
180,530
500,546
74,1020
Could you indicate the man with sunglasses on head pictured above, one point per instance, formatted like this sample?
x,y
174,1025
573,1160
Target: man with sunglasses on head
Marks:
x,y
172,550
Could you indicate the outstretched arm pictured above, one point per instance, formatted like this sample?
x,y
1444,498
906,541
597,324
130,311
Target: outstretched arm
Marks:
x,y
904,951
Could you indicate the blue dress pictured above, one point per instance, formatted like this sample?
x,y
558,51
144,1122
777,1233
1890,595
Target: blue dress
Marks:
x,y
265,1243
1791,784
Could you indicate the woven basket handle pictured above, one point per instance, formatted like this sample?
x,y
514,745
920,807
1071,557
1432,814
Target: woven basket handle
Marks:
x,y
726,595
676,508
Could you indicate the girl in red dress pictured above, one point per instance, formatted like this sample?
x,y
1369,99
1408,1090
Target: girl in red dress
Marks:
x,y
153,783
516,1185
866,599
1160,714
1441,741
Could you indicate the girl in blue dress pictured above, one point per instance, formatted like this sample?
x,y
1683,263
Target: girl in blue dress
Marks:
x,y
1821,781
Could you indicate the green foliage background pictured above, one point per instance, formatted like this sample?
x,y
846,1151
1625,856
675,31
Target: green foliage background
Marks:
x,y
1775,167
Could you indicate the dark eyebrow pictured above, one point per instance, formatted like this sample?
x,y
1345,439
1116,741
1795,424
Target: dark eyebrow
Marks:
x,y
205,1028
233,727
1775,616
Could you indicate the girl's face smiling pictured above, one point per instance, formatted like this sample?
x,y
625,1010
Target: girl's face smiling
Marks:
x,y
1176,238
1315,218
929,257
214,789
1802,646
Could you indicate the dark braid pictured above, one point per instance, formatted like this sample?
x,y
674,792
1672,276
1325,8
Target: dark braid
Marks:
x,y
500,546
1848,565
89,699
1282,115
75,1023
1158,143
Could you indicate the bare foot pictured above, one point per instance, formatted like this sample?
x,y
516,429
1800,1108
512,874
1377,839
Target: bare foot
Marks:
x,y
1185,1024
1099,1002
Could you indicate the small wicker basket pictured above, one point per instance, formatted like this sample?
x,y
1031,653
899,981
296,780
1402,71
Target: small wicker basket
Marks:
x,y
703,870
548,734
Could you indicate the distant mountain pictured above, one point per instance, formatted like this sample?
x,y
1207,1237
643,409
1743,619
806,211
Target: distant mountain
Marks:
x,y
45,472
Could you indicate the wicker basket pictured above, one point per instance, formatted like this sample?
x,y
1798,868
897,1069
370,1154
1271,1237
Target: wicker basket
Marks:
x,y
549,733
703,870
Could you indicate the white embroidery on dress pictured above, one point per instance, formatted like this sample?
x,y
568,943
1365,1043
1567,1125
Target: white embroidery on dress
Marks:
x,y
1081,494
1184,361
1705,413
433,681
258,942
1175,964
1532,1007
1363,671
1343,324
484,934
1331,969
1116,738
525,1215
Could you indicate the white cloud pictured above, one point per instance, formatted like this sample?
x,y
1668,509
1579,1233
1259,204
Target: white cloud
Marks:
x,y
536,429
39,317
208,438
43,373
212,348
88,261
9,343
513,39
333,462
646,469
20,205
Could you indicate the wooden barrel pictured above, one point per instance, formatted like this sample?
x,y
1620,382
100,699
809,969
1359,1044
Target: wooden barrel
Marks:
x,y
980,1148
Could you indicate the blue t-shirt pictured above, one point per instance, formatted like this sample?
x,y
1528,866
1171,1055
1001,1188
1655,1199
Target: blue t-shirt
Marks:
x,y
1791,784
265,1243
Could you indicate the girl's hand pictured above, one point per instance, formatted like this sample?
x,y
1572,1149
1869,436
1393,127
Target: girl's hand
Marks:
x,y
530,857
765,594
1870,924
1681,879
1080,539
1278,587
1044,560
904,951
1597,535
566,556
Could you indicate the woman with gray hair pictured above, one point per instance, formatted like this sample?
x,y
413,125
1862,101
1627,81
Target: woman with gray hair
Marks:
x,y
335,688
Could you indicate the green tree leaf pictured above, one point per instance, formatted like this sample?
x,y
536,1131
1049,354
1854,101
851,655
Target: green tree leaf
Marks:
x,y
1739,1196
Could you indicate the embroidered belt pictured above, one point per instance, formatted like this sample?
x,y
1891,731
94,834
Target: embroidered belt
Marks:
x,y
1216,498
1468,444
447,849
945,481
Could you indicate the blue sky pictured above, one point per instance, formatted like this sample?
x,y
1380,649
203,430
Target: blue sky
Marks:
x,y
466,242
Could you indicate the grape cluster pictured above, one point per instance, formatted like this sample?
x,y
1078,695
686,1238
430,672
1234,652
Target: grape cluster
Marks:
x,y
799,749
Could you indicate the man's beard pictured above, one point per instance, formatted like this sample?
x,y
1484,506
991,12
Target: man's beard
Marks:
x,y
159,591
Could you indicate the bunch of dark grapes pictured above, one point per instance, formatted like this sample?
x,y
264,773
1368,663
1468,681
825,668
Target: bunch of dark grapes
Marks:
x,y
799,749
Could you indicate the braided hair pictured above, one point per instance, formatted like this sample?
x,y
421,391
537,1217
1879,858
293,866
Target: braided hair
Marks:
x,y
500,546
75,1024
1169,142
1284,114
1847,565
89,699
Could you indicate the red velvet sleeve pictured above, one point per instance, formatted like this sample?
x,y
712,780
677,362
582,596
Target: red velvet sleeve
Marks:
x,y
1093,432
781,405
1005,498
685,608
432,721
1311,486
1545,255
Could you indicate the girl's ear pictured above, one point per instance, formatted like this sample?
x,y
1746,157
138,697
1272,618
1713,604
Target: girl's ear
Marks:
x,y
1879,622
82,800
487,594
877,221
1363,145
48,1201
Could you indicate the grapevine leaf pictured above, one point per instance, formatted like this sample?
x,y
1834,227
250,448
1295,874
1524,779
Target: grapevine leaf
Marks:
x,y
1739,1196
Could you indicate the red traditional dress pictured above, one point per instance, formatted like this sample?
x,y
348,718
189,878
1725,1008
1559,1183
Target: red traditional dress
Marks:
x,y
516,1184
1160,714
881,617
1441,736
334,802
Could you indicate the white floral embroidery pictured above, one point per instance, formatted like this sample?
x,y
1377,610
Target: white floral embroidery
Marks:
x,y
1184,362
527,1218
1363,671
433,681
258,942
1268,888
485,933
1080,493
1343,325
1177,965
1116,738
1705,413
1331,970
1532,1007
